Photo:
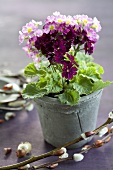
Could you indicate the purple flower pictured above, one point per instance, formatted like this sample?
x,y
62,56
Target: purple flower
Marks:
x,y
69,70
91,34
59,59
89,47
70,67
49,27
59,37
29,29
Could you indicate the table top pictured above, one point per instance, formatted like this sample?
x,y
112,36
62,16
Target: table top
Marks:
x,y
26,126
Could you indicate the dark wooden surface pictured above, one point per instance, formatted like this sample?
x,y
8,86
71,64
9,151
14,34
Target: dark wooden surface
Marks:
x,y
26,126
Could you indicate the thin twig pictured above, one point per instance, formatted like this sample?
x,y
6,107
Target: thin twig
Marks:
x,y
51,163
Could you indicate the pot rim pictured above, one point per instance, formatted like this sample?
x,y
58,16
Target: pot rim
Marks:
x,y
83,99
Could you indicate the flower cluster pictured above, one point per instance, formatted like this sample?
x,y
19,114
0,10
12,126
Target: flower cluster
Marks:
x,y
52,45
61,51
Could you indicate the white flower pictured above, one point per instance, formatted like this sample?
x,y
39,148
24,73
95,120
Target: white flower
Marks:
x,y
78,157
103,131
110,115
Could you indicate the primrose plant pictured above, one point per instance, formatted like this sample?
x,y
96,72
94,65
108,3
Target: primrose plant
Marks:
x,y
61,50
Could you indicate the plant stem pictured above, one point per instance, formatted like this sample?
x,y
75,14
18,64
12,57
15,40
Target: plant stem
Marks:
x,y
51,153
76,49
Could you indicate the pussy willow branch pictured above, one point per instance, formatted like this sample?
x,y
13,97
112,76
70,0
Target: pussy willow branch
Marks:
x,y
51,153
51,163
48,164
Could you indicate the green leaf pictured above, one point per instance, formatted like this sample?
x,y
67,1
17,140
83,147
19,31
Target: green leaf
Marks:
x,y
57,87
90,73
70,97
42,72
100,85
30,70
83,57
83,85
99,68
31,91
42,83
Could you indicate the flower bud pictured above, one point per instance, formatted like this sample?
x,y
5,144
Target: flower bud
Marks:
x,y
110,115
64,149
26,167
21,153
59,152
9,115
2,121
53,166
78,157
90,133
111,129
98,143
107,139
29,107
103,131
7,151
86,135
85,148
26,146
65,155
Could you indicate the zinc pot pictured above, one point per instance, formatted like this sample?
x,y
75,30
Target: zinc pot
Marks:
x,y
62,123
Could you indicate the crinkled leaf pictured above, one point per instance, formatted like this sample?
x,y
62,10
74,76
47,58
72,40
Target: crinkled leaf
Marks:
x,y
100,85
30,70
54,81
57,87
32,91
83,57
99,68
84,85
42,83
90,73
70,97
42,72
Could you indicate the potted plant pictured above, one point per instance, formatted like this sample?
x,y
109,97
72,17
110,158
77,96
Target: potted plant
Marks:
x,y
68,85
